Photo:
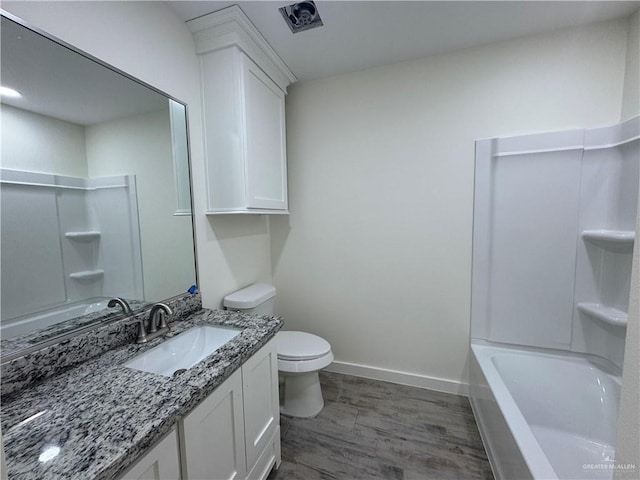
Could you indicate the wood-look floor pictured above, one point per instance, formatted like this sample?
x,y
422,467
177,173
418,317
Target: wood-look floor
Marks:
x,y
377,430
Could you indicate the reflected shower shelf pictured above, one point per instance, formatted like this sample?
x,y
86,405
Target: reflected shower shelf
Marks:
x,y
609,315
614,240
87,236
87,275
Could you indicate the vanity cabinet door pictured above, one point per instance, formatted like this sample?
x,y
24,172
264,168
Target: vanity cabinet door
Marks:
x,y
212,440
160,463
261,405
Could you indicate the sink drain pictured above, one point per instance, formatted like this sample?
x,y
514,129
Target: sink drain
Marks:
x,y
180,371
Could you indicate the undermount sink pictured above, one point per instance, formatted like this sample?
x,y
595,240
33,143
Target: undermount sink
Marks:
x,y
183,351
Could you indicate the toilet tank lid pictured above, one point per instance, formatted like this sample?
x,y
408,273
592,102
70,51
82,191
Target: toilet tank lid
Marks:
x,y
250,297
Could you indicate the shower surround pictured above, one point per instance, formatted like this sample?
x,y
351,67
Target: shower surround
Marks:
x,y
554,232
66,241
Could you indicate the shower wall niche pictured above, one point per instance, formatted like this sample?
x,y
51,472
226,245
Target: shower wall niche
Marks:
x,y
552,253
67,239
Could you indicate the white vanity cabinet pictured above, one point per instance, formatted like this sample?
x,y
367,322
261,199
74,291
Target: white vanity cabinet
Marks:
x,y
261,411
244,84
235,432
159,463
212,440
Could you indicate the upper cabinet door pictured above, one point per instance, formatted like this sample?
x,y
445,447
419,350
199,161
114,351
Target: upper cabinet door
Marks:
x,y
244,83
266,159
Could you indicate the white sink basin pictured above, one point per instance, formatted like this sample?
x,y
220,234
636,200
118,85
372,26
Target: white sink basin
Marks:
x,y
182,351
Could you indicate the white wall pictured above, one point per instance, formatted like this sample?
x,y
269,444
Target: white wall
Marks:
x,y
375,255
37,143
631,92
141,145
628,441
628,438
149,41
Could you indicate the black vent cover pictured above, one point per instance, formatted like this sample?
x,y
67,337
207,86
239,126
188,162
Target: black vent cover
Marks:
x,y
301,16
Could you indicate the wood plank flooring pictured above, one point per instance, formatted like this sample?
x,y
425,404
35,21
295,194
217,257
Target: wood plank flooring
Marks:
x,y
377,430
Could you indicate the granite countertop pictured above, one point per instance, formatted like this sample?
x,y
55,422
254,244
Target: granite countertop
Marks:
x,y
24,341
102,416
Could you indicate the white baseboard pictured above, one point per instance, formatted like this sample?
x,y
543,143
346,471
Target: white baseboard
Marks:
x,y
402,378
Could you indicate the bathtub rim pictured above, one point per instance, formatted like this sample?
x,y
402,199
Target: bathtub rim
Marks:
x,y
493,430
8,325
607,367
530,449
57,308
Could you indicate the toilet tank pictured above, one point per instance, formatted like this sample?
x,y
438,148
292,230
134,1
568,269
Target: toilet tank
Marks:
x,y
257,298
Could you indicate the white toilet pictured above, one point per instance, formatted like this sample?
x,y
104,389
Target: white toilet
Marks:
x,y
300,355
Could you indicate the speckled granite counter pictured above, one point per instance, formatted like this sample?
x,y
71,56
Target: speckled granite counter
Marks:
x,y
24,341
49,360
103,416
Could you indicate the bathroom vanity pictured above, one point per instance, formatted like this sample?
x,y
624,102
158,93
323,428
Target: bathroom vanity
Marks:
x,y
103,420
233,433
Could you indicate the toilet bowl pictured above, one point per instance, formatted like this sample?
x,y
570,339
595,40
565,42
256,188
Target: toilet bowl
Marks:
x,y
300,355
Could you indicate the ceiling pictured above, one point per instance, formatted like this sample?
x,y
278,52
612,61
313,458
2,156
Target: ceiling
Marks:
x,y
358,35
58,82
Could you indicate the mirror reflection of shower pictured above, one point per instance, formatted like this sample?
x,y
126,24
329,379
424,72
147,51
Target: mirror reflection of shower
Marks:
x,y
68,241
95,190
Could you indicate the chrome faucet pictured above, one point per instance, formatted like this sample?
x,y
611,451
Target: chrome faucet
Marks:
x,y
157,323
117,301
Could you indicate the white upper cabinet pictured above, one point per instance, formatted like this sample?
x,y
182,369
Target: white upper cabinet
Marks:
x,y
266,157
244,86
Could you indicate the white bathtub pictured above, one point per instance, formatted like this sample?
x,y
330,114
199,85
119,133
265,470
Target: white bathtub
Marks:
x,y
545,415
41,320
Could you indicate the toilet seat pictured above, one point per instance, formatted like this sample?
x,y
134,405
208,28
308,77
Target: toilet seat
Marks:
x,y
301,346
301,352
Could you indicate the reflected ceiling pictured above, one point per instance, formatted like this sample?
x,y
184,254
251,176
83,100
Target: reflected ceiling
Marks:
x,y
84,92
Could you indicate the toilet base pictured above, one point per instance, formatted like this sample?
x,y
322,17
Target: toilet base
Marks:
x,y
302,395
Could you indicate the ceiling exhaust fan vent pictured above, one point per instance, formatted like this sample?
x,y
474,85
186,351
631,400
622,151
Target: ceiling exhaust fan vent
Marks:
x,y
301,16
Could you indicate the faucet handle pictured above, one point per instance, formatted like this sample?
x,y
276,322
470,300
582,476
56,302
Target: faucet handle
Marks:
x,y
142,334
162,317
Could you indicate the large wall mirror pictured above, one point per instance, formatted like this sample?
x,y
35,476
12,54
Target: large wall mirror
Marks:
x,y
95,192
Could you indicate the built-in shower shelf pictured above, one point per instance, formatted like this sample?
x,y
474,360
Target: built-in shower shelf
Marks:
x,y
615,240
87,275
88,236
609,315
